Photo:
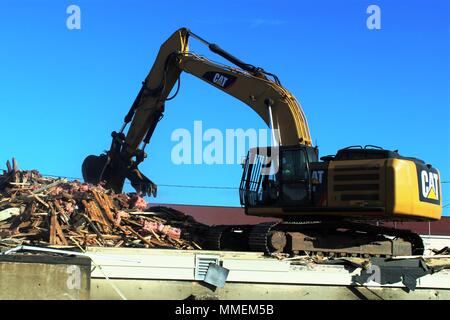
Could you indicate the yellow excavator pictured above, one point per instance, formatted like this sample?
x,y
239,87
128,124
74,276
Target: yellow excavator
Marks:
x,y
330,206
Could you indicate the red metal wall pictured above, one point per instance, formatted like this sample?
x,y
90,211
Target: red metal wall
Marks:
x,y
235,215
217,215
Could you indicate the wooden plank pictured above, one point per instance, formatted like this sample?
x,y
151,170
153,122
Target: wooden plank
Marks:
x,y
38,199
52,238
140,237
103,203
60,232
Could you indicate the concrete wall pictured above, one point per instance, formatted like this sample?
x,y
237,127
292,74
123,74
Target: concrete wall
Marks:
x,y
49,278
180,290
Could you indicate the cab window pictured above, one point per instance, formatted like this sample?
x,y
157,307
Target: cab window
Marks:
x,y
293,165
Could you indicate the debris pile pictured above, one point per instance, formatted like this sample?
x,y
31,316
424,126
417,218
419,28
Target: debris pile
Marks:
x,y
56,212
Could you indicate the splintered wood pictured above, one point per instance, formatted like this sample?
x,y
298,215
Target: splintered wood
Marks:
x,y
55,212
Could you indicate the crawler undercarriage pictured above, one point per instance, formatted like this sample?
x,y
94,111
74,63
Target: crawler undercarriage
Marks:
x,y
328,238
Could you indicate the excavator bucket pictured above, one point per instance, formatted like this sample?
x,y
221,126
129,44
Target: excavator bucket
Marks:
x,y
93,167
96,169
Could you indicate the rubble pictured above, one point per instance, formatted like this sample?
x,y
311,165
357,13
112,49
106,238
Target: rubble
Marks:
x,y
55,212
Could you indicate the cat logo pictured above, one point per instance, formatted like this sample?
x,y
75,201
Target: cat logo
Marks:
x,y
430,185
220,79
317,177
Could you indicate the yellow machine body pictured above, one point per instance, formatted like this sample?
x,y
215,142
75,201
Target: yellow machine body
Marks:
x,y
386,188
397,186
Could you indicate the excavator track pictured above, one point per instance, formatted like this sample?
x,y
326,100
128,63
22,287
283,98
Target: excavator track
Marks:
x,y
340,238
327,238
258,239
213,237
227,237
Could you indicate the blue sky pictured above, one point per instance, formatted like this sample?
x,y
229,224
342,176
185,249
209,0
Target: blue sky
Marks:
x,y
63,91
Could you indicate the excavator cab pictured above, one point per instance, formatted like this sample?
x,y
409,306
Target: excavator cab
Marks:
x,y
278,176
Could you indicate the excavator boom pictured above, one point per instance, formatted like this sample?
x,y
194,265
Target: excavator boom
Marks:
x,y
257,88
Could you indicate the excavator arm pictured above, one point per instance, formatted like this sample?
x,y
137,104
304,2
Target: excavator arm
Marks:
x,y
257,88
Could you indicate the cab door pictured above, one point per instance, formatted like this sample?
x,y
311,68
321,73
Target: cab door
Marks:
x,y
295,181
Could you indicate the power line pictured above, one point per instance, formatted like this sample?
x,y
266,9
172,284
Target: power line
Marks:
x,y
159,185
182,186
197,187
